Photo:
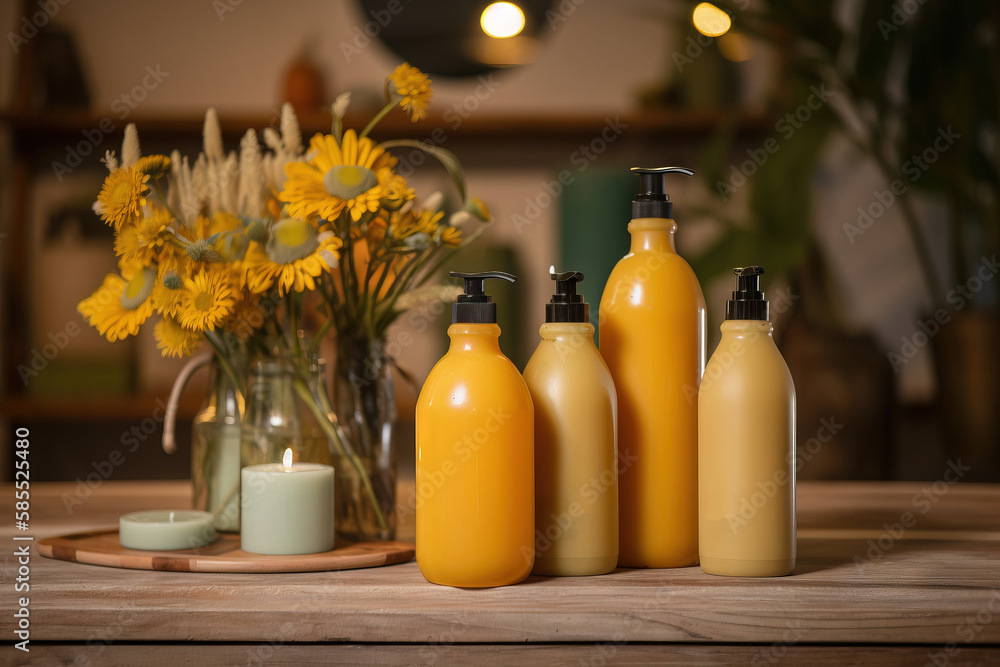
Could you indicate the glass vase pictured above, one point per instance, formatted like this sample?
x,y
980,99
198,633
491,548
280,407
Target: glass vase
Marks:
x,y
282,413
366,407
215,451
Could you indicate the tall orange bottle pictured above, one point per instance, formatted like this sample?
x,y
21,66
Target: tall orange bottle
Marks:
x,y
652,336
475,480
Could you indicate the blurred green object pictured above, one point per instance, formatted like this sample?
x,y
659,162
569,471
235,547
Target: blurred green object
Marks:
x,y
913,85
902,74
593,228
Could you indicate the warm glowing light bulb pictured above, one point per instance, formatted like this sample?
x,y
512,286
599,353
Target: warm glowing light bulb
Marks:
x,y
710,20
502,20
286,460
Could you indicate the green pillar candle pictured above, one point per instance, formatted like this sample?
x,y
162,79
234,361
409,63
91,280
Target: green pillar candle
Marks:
x,y
166,530
287,508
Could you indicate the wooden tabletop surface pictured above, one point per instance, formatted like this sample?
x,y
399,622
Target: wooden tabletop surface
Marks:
x,y
886,570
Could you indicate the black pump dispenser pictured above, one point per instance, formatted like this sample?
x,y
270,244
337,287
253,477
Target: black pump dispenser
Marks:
x,y
748,302
566,305
653,200
475,306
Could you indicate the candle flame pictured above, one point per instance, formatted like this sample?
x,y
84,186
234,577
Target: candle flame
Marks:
x,y
552,270
286,460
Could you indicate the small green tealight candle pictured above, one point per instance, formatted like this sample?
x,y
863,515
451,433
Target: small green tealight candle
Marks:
x,y
166,530
287,508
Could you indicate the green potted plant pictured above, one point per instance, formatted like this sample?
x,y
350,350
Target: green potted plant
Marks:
x,y
902,75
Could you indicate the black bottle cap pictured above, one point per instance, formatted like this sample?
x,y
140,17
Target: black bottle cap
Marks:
x,y
475,306
748,302
566,305
653,200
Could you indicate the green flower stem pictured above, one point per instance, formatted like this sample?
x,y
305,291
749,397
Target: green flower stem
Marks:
x,y
471,238
373,259
324,328
370,313
302,389
346,278
379,116
350,294
329,294
293,326
177,240
337,128
222,356
163,200
398,287
386,265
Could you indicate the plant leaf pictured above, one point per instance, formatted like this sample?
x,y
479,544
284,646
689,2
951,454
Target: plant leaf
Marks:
x,y
443,155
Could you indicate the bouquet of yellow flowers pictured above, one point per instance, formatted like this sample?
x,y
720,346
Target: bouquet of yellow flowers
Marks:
x,y
233,248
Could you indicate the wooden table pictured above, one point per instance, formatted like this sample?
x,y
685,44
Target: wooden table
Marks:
x,y
866,587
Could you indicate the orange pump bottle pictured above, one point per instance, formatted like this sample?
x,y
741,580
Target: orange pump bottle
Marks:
x,y
475,484
652,336
746,445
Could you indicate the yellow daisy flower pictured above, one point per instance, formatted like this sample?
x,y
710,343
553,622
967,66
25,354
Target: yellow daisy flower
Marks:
x,y
397,193
154,165
449,236
142,242
403,226
478,208
173,340
174,260
247,317
353,175
220,222
207,300
375,232
122,196
294,255
169,289
413,88
230,243
119,307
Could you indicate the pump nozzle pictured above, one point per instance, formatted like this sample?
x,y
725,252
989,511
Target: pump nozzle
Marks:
x,y
653,200
748,302
475,305
566,305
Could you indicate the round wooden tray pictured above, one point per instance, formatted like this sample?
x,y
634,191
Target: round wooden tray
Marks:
x,y
101,547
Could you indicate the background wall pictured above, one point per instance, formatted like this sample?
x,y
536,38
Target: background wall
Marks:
x,y
596,59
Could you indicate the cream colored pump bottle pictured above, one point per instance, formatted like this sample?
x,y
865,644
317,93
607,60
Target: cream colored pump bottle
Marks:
x,y
576,478
746,445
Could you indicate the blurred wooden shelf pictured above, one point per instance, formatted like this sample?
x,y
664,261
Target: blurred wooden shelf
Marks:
x,y
470,126
94,408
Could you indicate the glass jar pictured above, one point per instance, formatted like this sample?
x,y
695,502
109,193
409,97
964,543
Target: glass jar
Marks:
x,y
366,406
282,414
215,451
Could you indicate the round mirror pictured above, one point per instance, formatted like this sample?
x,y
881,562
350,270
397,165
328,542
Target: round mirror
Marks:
x,y
458,38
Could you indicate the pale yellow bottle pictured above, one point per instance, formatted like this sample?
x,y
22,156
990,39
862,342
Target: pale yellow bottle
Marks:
x,y
576,453
652,336
746,445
